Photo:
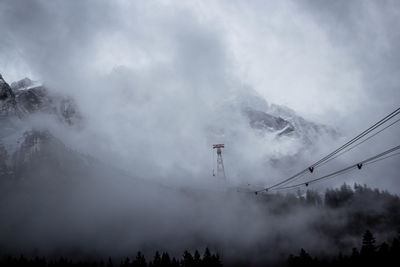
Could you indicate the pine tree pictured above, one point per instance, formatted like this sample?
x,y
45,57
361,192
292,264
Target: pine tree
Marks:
x,y
140,260
126,263
187,259
305,258
207,260
174,262
216,260
197,259
368,244
157,259
165,260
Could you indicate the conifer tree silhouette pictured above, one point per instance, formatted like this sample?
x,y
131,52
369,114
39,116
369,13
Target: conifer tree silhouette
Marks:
x,y
157,259
187,259
216,260
174,262
140,260
126,263
197,259
207,260
165,260
368,243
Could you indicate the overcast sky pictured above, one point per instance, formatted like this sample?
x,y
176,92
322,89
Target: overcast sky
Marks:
x,y
318,58
335,62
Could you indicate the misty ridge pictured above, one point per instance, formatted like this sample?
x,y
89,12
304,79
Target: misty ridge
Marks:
x,y
110,112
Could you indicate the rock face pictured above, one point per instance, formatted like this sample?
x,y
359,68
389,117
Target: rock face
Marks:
x,y
42,156
264,121
5,90
8,104
25,83
279,120
41,151
32,148
26,97
21,147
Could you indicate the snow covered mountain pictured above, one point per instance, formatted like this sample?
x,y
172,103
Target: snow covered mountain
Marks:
x,y
285,122
26,97
274,119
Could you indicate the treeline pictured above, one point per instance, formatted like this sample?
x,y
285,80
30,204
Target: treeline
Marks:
x,y
370,254
159,260
332,198
360,207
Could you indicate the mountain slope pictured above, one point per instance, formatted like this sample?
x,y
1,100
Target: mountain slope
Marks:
x,y
26,97
8,103
247,119
274,119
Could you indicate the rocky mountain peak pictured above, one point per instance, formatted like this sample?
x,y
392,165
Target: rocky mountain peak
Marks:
x,y
24,83
26,97
264,121
5,90
7,99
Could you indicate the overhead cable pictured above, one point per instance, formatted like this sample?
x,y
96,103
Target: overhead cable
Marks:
x,y
358,165
327,157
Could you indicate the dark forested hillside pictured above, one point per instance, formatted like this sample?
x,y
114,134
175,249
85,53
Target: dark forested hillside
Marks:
x,y
338,220
369,254
343,214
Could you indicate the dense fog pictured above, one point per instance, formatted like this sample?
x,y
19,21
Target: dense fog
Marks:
x,y
154,84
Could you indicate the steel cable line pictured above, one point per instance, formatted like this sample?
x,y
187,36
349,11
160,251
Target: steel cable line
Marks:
x,y
302,184
370,129
348,168
351,148
395,154
344,172
355,139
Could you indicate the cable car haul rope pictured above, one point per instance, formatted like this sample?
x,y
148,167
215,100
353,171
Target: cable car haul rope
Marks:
x,y
340,151
342,171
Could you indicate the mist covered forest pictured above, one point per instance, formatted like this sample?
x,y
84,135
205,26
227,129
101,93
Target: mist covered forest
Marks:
x,y
359,223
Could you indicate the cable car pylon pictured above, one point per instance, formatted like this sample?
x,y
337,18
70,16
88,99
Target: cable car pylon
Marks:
x,y
220,162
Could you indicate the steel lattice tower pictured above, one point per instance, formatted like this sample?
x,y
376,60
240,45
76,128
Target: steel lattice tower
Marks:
x,y
220,162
